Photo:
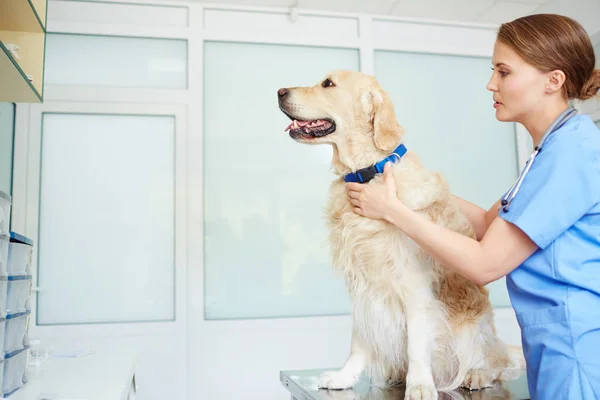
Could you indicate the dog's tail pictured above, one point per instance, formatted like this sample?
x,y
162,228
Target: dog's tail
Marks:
x,y
466,357
460,359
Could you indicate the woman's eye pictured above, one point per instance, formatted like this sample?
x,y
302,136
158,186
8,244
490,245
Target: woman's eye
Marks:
x,y
327,83
502,73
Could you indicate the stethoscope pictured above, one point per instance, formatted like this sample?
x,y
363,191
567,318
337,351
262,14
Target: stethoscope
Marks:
x,y
560,121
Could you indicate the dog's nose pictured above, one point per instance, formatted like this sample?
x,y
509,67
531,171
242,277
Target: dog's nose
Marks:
x,y
282,92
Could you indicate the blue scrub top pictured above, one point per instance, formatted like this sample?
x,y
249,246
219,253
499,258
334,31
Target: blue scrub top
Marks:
x,y
556,291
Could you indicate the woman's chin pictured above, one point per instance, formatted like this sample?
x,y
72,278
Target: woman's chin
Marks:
x,y
502,115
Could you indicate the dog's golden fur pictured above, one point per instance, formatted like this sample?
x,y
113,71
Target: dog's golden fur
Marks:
x,y
414,321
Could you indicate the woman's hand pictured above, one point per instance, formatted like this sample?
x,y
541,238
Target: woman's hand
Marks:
x,y
375,201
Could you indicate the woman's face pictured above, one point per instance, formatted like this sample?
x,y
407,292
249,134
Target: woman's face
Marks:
x,y
518,87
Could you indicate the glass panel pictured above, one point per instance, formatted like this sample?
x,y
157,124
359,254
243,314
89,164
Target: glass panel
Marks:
x,y
263,192
106,240
447,112
100,60
7,129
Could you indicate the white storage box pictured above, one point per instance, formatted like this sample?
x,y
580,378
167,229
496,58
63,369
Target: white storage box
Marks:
x,y
18,293
15,371
5,202
3,293
15,336
4,249
19,258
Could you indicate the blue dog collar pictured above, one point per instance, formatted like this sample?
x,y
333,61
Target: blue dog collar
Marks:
x,y
366,174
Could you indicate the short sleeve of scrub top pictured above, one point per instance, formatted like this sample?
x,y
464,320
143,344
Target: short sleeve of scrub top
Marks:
x,y
561,186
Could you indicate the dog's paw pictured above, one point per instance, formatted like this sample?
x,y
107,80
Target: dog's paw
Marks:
x,y
348,394
421,392
337,380
478,379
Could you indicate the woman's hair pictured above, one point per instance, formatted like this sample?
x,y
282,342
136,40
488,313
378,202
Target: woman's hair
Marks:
x,y
554,42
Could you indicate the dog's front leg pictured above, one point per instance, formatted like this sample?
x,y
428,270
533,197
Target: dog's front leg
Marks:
x,y
421,332
350,372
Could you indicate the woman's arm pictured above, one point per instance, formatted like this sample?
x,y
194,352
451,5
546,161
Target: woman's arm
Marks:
x,y
479,218
502,248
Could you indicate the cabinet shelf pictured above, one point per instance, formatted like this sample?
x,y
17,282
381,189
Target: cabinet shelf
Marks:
x,y
22,26
15,85
22,15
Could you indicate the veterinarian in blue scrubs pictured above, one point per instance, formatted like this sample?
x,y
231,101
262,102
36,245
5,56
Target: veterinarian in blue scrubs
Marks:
x,y
544,232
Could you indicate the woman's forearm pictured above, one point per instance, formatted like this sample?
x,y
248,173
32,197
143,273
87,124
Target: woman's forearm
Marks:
x,y
457,252
479,218
474,213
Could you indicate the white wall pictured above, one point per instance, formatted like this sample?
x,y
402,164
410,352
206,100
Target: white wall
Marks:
x,y
592,106
586,12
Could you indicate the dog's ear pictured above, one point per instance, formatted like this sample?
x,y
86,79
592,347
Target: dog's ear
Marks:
x,y
387,132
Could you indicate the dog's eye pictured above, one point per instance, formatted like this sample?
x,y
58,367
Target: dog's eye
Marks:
x,y
327,83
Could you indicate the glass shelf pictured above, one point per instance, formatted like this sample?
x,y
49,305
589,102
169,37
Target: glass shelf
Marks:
x,y
22,30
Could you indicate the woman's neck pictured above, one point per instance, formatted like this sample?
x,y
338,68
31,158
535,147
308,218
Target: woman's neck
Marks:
x,y
538,122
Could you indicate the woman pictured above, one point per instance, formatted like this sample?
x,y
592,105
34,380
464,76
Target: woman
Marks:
x,y
544,236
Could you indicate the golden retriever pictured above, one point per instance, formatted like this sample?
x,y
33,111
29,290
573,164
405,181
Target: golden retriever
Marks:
x,y
414,321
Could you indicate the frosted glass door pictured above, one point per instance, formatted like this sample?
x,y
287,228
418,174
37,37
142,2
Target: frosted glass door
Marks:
x,y
107,217
447,112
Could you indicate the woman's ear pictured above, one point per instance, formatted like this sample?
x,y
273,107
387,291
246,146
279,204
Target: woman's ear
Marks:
x,y
556,81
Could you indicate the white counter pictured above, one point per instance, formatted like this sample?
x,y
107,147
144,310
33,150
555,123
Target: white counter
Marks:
x,y
104,375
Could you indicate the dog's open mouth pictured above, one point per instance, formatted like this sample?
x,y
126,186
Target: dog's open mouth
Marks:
x,y
311,129
308,129
315,128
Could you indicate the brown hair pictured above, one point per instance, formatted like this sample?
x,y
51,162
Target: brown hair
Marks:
x,y
554,42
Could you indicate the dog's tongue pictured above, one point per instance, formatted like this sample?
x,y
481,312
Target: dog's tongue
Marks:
x,y
297,124
300,124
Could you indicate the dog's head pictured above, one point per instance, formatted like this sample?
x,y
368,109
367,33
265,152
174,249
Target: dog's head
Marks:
x,y
347,109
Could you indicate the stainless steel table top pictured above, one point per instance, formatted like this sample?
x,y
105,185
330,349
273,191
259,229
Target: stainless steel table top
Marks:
x,y
302,385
